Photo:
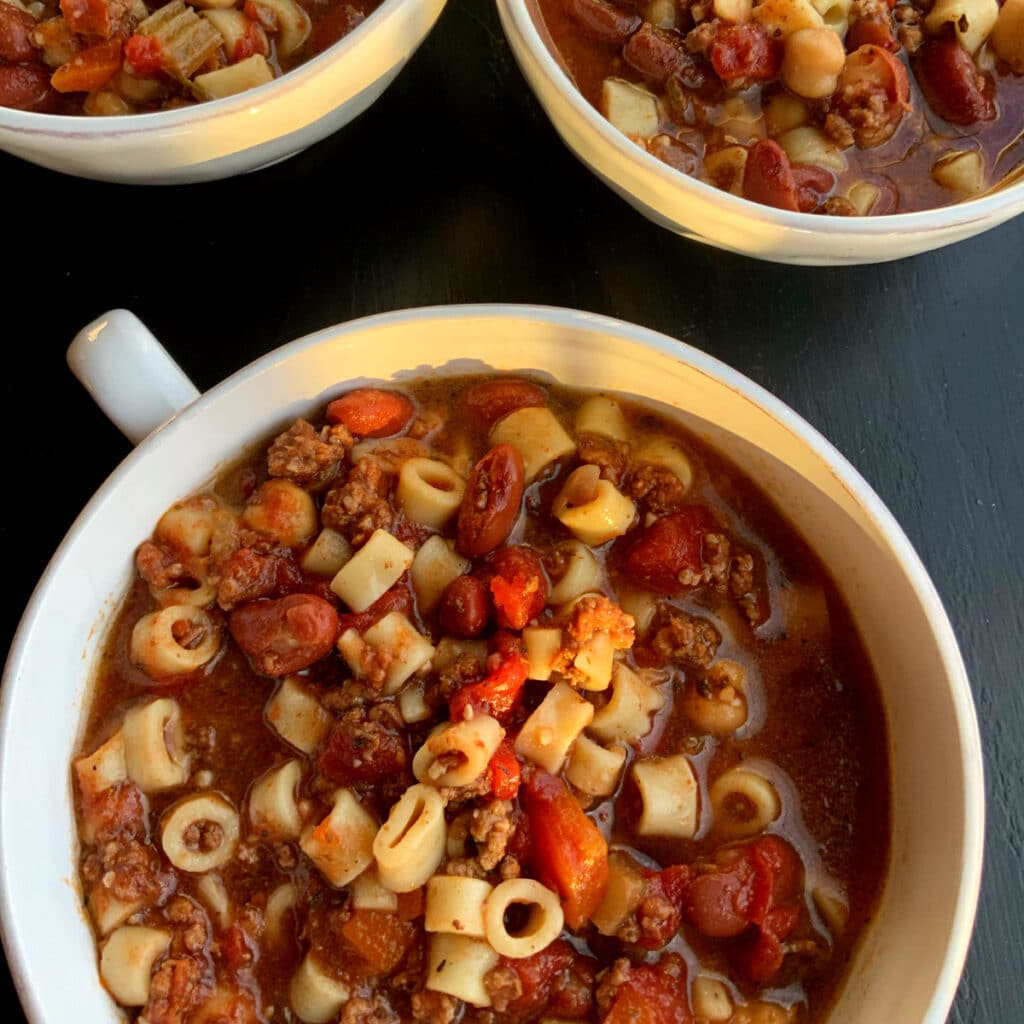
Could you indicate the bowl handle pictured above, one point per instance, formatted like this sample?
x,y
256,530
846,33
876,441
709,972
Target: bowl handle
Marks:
x,y
129,374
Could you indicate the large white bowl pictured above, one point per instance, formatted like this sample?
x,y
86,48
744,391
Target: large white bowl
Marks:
x,y
707,214
240,133
907,968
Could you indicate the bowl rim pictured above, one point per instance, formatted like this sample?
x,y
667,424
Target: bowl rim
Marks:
x,y
77,126
957,685
960,214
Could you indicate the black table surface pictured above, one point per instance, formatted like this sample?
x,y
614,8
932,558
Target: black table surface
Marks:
x,y
455,188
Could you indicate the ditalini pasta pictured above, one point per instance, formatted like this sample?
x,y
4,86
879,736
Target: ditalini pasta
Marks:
x,y
467,702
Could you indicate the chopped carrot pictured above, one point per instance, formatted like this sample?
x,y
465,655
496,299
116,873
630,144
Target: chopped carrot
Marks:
x,y
89,69
380,938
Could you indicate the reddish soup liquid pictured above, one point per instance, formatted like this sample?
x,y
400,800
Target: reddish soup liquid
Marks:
x,y
615,696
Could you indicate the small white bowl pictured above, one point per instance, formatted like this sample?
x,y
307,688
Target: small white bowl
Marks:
x,y
241,133
707,214
906,968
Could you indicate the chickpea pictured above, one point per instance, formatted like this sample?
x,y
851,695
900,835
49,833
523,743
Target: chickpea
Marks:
x,y
717,703
812,62
1007,38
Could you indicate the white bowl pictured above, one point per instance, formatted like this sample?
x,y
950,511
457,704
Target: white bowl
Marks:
x,y
241,133
707,214
907,967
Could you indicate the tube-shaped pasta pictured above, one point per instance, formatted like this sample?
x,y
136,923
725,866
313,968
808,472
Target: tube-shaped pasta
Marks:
x,y
634,110
711,1000
457,964
835,14
214,894
412,703
578,572
174,641
282,511
641,604
972,20
200,832
104,767
473,743
808,145
551,730
456,905
409,649
234,78
327,554
297,715
411,843
622,895
592,508
126,963
293,24
668,789
341,845
626,716
273,806
375,568
602,415
368,893
726,167
279,904
783,17
1007,38
108,912
538,435
189,525
783,112
961,171
543,925
542,643
436,564
594,769
449,650
863,195
594,663
744,803
314,995
716,703
429,491
664,452
832,907
154,746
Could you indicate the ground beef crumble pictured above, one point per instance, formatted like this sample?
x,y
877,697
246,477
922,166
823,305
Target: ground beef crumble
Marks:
x,y
610,456
434,1007
360,505
307,457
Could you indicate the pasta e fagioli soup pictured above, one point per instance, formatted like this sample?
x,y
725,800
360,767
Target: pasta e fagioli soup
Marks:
x,y
480,700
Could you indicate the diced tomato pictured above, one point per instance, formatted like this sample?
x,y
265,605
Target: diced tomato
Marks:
x,y
114,812
504,773
381,939
103,18
745,52
89,69
568,852
144,54
498,694
542,979
518,586
870,32
652,995
251,43
369,412
761,955
410,904
234,948
668,548
768,177
362,751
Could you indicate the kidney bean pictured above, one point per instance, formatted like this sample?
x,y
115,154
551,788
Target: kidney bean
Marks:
x,y
487,403
955,88
16,34
334,25
26,87
658,54
286,634
518,586
745,51
370,412
464,607
492,501
870,32
670,546
602,20
812,183
768,177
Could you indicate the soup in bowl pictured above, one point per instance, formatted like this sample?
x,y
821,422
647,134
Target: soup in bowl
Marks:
x,y
466,695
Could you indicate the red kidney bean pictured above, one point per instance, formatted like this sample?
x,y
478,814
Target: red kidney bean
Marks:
x,y
334,25
602,20
464,607
286,634
16,35
669,547
955,88
812,183
658,54
487,403
518,586
745,51
768,177
370,412
871,32
492,501
26,87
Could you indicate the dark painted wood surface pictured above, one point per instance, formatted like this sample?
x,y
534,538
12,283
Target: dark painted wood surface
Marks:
x,y
454,188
